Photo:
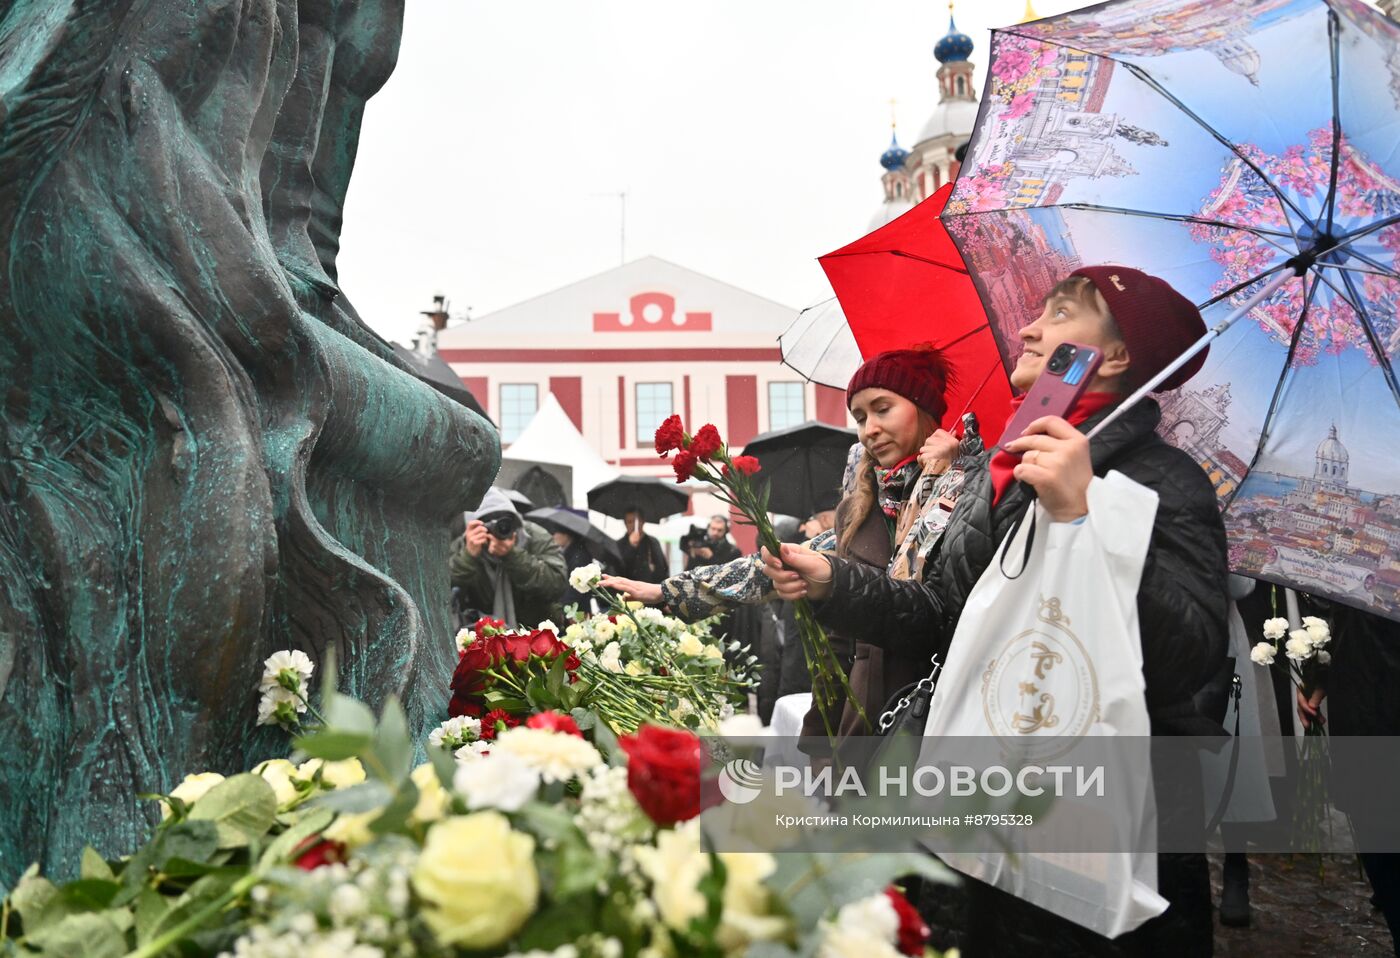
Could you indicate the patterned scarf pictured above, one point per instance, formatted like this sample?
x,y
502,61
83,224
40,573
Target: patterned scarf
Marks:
x,y
895,484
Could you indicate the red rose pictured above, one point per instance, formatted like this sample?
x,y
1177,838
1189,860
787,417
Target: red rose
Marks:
x,y
684,464
544,644
316,851
469,678
487,625
706,443
913,933
748,465
663,772
669,435
496,721
555,722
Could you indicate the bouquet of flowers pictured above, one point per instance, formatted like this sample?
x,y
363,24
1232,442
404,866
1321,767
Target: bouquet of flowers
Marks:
x,y
551,840
705,456
1305,651
628,665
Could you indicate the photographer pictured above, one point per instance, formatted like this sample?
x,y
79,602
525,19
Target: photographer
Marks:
x,y
506,567
709,546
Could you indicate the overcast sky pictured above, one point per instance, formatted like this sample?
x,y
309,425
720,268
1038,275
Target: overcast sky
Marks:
x,y
747,134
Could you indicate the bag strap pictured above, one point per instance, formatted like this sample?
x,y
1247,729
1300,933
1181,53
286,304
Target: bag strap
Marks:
x,y
925,684
1236,690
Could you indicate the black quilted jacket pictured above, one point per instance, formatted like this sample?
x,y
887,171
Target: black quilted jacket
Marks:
x,y
1181,602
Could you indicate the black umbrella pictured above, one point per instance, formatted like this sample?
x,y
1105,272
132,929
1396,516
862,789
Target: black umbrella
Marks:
x,y
652,497
565,520
803,465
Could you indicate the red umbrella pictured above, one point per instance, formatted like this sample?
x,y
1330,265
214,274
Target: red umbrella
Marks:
x,y
905,284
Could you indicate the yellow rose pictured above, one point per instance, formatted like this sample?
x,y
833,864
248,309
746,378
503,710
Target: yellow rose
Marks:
x,y
690,645
352,829
675,865
635,668
432,797
334,774
712,652
477,880
192,789
278,773
747,901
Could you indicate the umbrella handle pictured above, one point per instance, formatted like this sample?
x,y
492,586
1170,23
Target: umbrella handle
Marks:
x,y
1269,289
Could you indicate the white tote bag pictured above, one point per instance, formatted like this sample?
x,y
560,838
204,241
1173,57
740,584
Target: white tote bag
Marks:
x,y
1050,658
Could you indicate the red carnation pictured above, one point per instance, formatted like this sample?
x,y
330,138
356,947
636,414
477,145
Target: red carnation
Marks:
x,y
663,772
706,443
913,933
316,851
487,625
669,435
684,464
748,465
554,722
496,721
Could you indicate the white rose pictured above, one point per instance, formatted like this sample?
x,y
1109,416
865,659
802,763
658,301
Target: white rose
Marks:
x,y
433,800
585,577
1275,629
675,865
611,659
839,942
278,773
1323,657
874,916
504,782
1263,653
192,789
547,626
690,645
340,774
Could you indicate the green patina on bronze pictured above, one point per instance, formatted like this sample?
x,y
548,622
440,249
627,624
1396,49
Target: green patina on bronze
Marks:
x,y
205,455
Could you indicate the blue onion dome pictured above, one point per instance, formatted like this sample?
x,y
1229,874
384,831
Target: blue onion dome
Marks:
x,y
893,158
955,47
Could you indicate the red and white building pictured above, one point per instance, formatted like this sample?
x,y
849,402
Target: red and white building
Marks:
x,y
624,349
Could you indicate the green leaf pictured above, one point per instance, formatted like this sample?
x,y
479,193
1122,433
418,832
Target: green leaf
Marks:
x,y
88,935
548,822
200,894
312,822
561,923
151,907
85,894
580,870
496,699
537,695
243,808
365,797
333,746
395,815
392,745
554,679
584,719
812,885
344,714
95,866
605,741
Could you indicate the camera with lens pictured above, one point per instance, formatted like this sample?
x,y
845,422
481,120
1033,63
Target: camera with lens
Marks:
x,y
503,525
693,539
1061,358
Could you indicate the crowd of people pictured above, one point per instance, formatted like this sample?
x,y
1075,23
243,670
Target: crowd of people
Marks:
x,y
889,561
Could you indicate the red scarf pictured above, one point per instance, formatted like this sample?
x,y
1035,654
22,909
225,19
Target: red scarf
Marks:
x,y
1004,462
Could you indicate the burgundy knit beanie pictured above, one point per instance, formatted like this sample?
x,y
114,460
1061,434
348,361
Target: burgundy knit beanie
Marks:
x,y
916,374
1156,321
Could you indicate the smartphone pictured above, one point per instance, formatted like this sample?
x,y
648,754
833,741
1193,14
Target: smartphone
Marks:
x,y
1064,379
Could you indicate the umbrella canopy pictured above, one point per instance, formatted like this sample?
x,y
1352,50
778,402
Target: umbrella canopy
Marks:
x,y
600,544
522,502
820,345
802,464
902,285
654,498
1245,153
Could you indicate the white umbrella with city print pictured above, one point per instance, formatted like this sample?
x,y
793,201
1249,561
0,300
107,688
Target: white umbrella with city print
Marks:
x,y
1249,154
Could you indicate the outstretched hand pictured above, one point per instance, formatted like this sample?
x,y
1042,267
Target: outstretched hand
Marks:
x,y
801,573
1055,460
648,592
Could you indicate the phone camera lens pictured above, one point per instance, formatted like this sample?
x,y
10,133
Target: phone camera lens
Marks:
x,y
1061,358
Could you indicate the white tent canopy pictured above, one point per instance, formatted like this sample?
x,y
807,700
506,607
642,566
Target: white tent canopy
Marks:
x,y
552,437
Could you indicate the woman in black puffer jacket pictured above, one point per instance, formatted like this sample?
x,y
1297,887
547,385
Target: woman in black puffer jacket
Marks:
x,y
1141,324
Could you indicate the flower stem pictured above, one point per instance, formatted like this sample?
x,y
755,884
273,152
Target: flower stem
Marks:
x,y
160,943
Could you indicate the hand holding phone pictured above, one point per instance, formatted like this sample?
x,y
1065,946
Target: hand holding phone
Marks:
x,y
1065,378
